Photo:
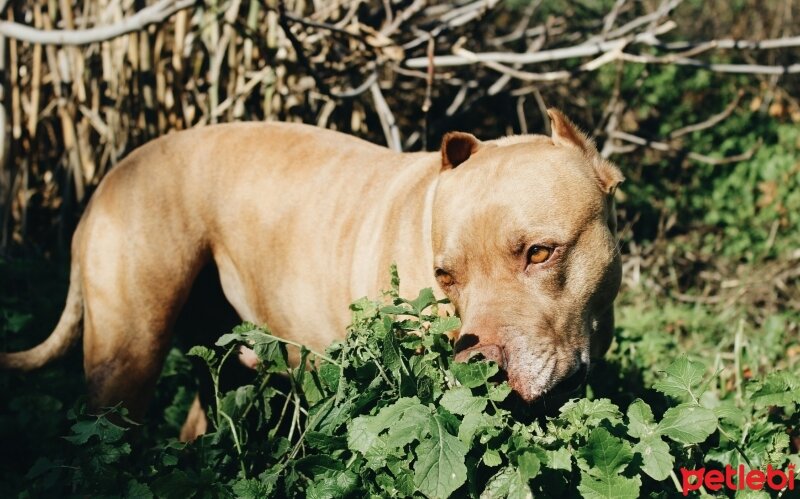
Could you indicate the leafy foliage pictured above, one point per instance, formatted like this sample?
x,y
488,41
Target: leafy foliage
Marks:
x,y
388,413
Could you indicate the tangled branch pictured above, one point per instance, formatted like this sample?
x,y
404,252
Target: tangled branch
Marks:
x,y
153,14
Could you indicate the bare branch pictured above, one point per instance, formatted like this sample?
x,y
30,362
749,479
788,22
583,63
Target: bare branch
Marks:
x,y
680,132
664,9
664,147
153,14
726,160
613,41
412,9
388,122
719,68
729,43
611,17
583,50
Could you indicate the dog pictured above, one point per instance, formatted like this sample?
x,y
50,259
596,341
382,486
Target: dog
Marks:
x,y
519,233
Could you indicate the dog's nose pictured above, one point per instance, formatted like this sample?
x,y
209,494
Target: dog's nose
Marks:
x,y
489,352
574,381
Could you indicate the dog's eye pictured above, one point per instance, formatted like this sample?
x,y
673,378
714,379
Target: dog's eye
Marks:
x,y
444,278
539,254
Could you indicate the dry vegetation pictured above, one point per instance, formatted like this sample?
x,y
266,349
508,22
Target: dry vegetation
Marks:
x,y
73,110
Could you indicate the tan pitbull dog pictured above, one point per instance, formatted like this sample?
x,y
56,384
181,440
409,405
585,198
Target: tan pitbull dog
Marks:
x,y
519,233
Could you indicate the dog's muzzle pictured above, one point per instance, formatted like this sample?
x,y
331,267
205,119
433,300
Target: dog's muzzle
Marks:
x,y
467,346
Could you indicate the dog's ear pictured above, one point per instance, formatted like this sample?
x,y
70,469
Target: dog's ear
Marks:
x,y
608,175
565,133
457,147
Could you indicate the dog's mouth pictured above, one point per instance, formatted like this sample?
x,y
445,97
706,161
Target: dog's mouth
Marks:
x,y
535,381
574,382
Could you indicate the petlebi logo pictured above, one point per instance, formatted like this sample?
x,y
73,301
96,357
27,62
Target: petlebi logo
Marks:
x,y
738,479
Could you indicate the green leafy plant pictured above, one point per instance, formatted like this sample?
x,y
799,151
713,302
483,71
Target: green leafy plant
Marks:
x,y
388,413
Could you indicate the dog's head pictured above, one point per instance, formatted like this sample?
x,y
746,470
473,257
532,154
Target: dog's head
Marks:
x,y
524,243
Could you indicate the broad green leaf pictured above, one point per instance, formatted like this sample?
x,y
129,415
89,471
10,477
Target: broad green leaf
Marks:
x,y
391,352
402,474
279,447
512,481
269,478
252,488
681,377
411,426
688,423
317,464
311,388
324,442
243,395
360,436
605,455
499,485
752,494
440,469
271,352
234,402
102,428
228,338
332,485
442,325
138,490
727,411
500,392
640,419
616,487
405,419
395,310
528,465
518,487
474,422
777,449
473,374
589,413
329,374
602,461
492,458
780,389
656,458
559,459
109,453
460,400
422,301
208,355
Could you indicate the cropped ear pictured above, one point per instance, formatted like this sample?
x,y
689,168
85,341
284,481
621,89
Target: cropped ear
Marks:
x,y
566,134
457,147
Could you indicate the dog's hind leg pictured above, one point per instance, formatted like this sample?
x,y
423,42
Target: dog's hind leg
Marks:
x,y
126,339
132,298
